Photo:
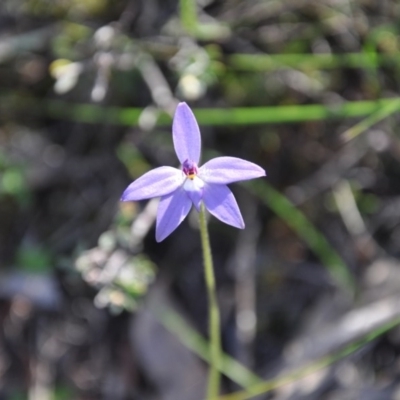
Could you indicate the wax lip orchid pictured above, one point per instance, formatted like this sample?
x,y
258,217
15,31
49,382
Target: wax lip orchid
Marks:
x,y
180,188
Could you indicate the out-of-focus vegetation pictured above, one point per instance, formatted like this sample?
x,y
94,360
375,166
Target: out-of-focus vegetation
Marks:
x,y
91,306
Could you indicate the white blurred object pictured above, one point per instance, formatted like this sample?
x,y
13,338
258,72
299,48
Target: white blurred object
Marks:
x,y
190,87
66,74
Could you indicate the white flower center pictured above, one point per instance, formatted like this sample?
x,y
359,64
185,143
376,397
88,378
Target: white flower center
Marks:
x,y
194,184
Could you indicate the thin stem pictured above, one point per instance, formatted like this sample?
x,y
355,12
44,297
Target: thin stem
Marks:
x,y
214,320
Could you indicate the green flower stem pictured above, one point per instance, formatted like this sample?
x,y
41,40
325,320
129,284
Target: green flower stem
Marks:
x,y
214,320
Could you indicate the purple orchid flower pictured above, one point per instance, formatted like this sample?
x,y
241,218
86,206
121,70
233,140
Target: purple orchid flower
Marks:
x,y
180,188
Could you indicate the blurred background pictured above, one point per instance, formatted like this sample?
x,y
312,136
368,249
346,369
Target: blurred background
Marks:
x,y
91,307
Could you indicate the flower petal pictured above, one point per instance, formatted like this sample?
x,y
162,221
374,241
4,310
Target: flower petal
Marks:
x,y
157,182
172,210
221,203
186,134
224,170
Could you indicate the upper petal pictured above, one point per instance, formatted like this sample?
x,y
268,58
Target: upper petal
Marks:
x,y
224,170
186,134
221,203
172,210
157,182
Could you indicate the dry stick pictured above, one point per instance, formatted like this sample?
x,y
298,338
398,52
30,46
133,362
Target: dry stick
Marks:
x,y
354,330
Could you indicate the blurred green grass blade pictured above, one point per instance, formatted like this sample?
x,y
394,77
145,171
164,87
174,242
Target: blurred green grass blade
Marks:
x,y
374,118
204,31
271,62
195,342
188,15
308,369
90,113
304,229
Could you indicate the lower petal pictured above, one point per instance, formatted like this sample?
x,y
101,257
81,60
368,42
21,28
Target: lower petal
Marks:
x,y
221,203
172,210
